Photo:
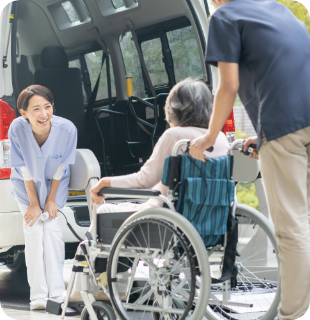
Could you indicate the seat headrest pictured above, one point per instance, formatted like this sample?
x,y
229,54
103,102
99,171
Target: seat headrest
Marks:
x,y
54,57
23,63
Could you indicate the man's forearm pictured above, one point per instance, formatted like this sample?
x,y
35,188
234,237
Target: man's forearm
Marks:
x,y
223,103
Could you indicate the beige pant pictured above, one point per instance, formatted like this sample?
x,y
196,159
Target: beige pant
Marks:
x,y
285,165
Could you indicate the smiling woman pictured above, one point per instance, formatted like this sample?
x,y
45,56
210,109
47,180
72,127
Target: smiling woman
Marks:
x,y
42,148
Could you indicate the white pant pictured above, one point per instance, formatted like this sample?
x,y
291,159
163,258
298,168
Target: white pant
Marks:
x,y
45,254
108,208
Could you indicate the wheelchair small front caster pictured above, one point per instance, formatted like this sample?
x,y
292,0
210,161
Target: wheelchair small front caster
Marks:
x,y
102,310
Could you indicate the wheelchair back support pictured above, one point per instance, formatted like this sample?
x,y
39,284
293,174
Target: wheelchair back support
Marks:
x,y
205,193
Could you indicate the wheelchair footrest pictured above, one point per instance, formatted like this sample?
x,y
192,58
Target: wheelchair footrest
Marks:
x,y
55,307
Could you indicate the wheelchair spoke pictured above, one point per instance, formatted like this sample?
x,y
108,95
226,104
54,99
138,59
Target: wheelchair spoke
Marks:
x,y
263,283
256,281
144,237
171,277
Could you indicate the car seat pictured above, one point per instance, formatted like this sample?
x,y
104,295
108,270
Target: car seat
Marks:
x,y
25,77
66,86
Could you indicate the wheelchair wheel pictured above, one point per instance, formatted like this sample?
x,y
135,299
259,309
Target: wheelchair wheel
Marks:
x,y
102,310
255,292
175,304
167,257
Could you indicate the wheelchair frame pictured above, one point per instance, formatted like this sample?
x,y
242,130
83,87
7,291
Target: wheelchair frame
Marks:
x,y
90,249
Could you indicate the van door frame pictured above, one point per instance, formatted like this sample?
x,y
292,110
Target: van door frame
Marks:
x,y
6,90
14,11
202,39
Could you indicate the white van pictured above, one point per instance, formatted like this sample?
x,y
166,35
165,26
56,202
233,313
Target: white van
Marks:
x,y
86,52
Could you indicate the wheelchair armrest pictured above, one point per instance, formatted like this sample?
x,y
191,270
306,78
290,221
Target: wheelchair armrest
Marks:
x,y
130,192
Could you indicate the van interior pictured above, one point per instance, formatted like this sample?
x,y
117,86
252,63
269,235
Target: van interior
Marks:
x,y
83,51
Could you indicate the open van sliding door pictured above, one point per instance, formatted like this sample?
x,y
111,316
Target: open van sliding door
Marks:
x,y
200,12
7,26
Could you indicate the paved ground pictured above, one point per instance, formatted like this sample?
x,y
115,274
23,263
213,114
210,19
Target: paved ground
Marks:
x,y
14,297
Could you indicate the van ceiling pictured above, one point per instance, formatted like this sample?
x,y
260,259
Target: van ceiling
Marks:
x,y
38,29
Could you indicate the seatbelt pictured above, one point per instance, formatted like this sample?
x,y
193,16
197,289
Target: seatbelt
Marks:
x,y
109,82
92,100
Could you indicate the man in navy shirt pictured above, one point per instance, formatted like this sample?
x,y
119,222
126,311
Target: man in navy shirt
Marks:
x,y
263,52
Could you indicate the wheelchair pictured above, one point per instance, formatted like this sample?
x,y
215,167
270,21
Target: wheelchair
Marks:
x,y
215,260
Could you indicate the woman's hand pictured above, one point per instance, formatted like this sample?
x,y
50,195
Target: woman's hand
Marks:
x,y
32,214
200,145
52,208
251,140
94,191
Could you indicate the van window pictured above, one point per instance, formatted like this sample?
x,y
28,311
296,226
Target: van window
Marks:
x,y
93,62
153,56
185,54
170,51
118,4
132,64
75,64
70,11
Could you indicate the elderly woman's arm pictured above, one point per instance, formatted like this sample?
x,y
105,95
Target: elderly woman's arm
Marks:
x,y
147,177
151,172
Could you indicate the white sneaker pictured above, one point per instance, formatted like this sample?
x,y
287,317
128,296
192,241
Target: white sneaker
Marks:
x,y
38,304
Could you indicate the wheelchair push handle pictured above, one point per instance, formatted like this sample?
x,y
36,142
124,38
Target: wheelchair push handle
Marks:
x,y
247,152
189,147
184,142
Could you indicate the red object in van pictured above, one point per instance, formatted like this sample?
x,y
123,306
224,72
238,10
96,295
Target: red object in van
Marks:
x,y
229,125
7,115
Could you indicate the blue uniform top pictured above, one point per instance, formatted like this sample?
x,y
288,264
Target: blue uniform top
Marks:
x,y
272,48
42,163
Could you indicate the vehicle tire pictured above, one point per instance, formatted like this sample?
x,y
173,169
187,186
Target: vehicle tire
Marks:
x,y
19,263
258,280
177,261
102,310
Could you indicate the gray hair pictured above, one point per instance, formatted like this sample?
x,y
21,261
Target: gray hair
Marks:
x,y
189,104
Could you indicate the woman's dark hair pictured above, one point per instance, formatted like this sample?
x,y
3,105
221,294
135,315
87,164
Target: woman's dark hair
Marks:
x,y
34,90
189,104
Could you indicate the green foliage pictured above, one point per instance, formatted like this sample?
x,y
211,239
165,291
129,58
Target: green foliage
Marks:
x,y
299,10
238,101
240,134
246,194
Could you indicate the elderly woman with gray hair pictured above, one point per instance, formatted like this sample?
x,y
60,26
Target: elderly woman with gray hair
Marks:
x,y
187,109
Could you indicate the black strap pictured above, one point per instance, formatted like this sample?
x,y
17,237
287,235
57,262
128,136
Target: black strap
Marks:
x,y
93,97
229,267
71,228
109,82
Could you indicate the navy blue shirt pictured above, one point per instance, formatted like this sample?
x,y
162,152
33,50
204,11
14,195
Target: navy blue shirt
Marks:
x,y
272,48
